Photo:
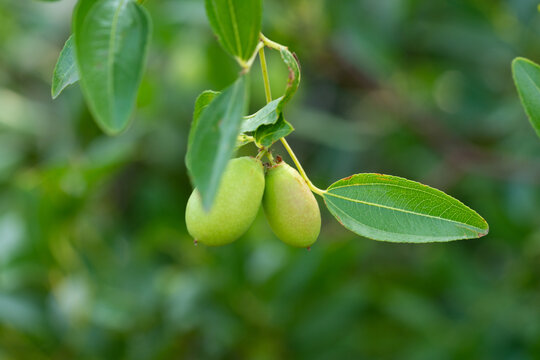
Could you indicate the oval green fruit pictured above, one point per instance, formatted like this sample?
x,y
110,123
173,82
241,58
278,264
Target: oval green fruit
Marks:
x,y
290,207
236,204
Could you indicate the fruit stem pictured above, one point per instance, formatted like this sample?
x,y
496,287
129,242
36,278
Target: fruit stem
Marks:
x,y
270,157
312,187
268,93
266,79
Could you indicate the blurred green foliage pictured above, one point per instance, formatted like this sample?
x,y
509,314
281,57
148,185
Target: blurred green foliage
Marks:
x,y
95,261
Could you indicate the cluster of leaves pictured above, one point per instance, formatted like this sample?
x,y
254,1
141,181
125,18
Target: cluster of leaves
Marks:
x,y
107,53
95,263
220,117
376,206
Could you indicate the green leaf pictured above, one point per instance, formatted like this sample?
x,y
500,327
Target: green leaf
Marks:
x,y
237,24
265,116
389,208
111,45
65,71
527,80
269,123
266,135
294,77
214,139
203,100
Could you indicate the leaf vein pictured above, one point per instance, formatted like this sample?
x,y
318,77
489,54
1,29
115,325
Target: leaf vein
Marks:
x,y
338,209
110,56
404,211
235,28
434,194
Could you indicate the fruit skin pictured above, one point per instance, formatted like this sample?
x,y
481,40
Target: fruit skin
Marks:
x,y
290,207
235,207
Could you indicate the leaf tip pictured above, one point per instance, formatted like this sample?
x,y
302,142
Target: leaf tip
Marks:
x,y
485,232
521,61
109,131
516,60
515,64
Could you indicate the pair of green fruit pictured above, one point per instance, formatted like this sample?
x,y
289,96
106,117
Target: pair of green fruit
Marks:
x,y
289,205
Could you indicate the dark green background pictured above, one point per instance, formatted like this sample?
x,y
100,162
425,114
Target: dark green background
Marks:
x,y
95,261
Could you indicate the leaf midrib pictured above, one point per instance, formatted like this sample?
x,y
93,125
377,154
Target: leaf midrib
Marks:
x,y
471,227
464,226
110,59
235,29
401,187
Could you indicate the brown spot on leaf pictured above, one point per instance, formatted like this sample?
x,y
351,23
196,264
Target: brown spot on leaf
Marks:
x,y
482,234
339,221
383,177
279,159
291,78
297,61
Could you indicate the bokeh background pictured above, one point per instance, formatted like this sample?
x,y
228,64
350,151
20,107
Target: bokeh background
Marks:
x,y
95,261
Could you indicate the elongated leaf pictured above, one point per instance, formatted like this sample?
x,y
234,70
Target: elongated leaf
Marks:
x,y
65,71
214,139
203,100
389,208
527,80
266,135
237,24
294,77
111,44
265,116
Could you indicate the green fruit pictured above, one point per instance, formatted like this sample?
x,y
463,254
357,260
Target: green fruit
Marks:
x,y
290,207
236,204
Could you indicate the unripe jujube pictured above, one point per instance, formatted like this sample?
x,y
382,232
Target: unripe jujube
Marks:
x,y
236,204
290,207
